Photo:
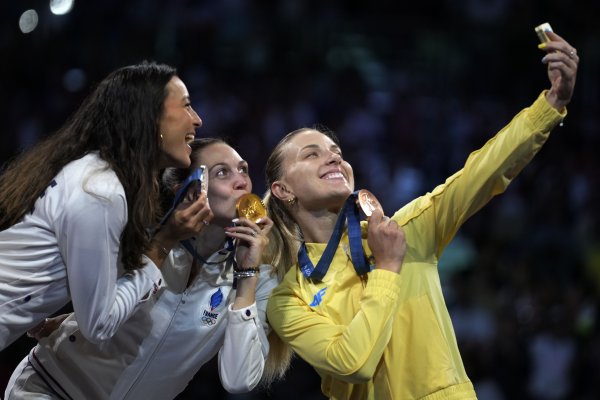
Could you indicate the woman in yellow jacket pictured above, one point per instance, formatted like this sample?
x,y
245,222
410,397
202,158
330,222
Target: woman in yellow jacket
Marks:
x,y
379,331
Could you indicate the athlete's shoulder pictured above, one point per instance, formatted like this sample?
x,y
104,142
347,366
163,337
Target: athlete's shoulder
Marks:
x,y
91,175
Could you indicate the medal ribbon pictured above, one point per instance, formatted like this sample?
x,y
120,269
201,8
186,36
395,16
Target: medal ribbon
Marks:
x,y
229,247
349,212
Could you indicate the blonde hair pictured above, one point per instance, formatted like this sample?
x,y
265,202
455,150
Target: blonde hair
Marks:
x,y
282,251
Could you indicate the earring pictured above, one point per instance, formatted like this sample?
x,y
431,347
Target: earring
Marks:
x,y
291,201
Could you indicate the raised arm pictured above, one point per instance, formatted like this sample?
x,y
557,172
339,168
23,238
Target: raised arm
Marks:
x,y
89,241
489,170
245,348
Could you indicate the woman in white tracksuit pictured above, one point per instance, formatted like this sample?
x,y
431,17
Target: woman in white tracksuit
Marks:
x,y
74,208
202,310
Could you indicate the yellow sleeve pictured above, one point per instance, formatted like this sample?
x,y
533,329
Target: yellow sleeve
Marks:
x,y
486,173
347,352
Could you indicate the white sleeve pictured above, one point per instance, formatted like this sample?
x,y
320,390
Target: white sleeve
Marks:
x,y
245,347
91,229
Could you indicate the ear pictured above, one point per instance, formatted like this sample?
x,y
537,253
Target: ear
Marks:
x,y
280,191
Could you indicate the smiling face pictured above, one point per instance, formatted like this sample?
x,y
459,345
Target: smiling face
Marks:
x,y
314,172
178,126
228,180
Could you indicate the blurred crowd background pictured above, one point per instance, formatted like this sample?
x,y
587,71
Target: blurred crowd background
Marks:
x,y
411,88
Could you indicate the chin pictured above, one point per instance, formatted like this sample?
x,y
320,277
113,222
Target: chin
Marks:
x,y
338,198
184,162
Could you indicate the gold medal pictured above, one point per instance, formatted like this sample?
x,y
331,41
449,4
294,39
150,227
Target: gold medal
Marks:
x,y
368,202
250,206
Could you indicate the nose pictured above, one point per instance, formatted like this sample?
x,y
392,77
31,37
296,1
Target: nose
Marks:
x,y
241,181
334,158
196,119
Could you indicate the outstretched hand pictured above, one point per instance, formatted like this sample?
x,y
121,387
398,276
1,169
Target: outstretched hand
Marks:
x,y
386,241
562,61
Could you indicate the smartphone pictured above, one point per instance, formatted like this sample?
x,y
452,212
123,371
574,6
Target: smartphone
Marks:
x,y
541,32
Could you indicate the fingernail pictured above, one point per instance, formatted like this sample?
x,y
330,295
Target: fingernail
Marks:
x,y
258,221
542,46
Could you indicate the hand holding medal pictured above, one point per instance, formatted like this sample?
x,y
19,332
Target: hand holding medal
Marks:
x,y
387,242
385,237
250,229
388,239
361,200
368,203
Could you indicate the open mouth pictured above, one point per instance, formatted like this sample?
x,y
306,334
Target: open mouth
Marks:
x,y
333,175
189,138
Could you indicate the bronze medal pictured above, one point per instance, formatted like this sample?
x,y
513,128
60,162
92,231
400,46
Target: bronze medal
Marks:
x,y
250,206
367,202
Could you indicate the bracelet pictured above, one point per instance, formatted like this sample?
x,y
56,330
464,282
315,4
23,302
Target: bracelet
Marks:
x,y
245,273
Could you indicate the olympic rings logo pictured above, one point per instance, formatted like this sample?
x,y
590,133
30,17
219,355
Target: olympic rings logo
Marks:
x,y
208,321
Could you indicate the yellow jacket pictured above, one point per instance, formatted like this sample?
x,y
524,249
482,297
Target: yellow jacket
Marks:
x,y
387,335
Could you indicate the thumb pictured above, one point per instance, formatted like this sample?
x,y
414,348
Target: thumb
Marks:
x,y
375,218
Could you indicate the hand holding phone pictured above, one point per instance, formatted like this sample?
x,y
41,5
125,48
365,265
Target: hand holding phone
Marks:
x,y
541,32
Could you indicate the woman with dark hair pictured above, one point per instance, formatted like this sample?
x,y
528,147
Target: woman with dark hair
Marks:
x,y
362,302
213,302
76,208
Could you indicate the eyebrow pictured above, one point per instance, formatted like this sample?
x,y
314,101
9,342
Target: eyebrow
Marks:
x,y
316,146
242,162
215,166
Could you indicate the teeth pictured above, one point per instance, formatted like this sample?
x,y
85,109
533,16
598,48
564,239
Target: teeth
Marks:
x,y
334,175
189,138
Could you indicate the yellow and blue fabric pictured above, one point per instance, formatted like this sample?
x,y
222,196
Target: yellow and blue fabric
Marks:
x,y
389,336
348,214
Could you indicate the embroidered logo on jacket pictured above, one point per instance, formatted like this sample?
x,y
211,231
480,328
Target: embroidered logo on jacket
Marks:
x,y
216,299
209,317
318,297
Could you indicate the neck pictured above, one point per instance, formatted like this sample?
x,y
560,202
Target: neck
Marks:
x,y
316,227
211,239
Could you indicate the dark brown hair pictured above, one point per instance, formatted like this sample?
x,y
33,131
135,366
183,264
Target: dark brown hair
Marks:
x,y
119,120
